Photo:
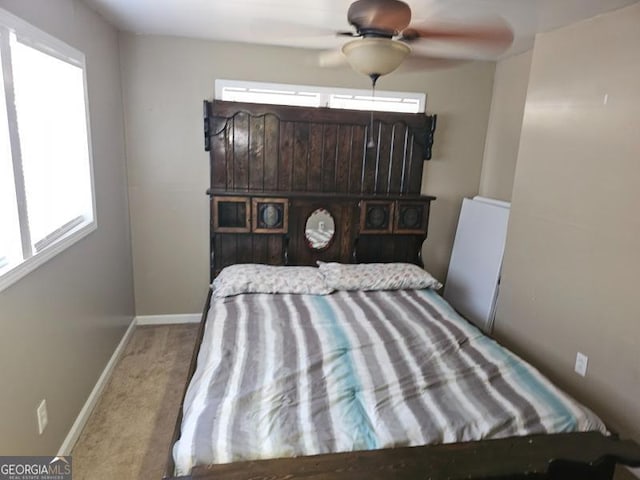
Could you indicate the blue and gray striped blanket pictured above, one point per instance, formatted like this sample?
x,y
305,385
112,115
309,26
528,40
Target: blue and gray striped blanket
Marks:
x,y
288,375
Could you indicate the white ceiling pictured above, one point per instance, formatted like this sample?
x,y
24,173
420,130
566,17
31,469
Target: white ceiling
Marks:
x,y
312,24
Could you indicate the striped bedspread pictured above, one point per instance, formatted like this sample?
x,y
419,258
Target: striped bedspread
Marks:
x,y
288,375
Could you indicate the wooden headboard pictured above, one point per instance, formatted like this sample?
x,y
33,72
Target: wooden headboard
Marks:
x,y
299,159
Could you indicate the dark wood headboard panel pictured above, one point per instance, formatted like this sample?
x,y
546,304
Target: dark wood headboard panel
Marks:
x,y
276,148
315,157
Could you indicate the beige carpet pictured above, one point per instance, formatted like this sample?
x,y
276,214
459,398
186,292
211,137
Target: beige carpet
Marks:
x,y
128,433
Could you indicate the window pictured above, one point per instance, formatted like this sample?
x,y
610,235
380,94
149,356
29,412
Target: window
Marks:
x,y
46,185
312,96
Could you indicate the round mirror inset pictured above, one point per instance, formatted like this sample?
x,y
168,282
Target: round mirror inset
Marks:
x,y
319,229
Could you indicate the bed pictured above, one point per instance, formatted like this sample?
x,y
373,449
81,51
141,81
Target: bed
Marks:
x,y
355,368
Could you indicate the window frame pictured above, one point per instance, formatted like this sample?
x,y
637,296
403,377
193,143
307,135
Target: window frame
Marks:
x,y
72,232
324,93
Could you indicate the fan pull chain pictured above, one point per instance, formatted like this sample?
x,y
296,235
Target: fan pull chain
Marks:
x,y
374,78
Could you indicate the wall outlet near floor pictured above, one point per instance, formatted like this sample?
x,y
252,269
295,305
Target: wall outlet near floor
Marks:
x,y
581,364
43,417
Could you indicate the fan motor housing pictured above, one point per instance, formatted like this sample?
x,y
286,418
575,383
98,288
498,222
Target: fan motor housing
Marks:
x,y
379,17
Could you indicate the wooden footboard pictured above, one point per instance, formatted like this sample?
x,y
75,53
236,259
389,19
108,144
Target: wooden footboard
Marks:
x,y
583,456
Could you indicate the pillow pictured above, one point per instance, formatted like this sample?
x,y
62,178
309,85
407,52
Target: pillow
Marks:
x,y
376,276
258,278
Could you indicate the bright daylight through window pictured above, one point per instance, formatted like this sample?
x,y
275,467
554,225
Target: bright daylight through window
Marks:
x,y
313,96
46,187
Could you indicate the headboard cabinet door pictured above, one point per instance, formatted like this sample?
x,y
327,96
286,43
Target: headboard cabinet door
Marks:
x,y
376,216
269,215
231,214
411,217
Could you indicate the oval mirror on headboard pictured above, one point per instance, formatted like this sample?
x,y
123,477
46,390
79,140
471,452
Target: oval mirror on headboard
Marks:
x,y
319,229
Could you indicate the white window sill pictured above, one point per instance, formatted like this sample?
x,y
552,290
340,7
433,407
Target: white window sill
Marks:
x,y
11,274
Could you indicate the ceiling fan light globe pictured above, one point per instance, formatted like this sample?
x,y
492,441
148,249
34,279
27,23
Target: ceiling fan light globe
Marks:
x,y
375,56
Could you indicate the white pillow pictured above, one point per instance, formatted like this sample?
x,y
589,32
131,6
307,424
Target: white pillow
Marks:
x,y
258,278
377,276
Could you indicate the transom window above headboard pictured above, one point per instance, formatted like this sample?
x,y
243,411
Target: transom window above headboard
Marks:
x,y
315,96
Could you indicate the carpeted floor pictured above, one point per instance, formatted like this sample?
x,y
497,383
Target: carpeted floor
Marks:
x,y
129,431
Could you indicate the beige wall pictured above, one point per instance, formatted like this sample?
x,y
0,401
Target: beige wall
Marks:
x,y
570,278
505,124
165,80
60,324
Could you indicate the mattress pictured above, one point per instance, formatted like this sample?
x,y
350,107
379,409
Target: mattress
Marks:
x,y
281,375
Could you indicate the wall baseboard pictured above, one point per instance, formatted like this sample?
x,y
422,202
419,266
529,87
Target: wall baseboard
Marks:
x,y
168,319
81,420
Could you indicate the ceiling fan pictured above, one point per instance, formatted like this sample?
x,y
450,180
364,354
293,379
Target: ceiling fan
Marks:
x,y
384,32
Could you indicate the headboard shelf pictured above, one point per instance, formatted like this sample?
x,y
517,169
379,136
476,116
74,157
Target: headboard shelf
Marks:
x,y
321,195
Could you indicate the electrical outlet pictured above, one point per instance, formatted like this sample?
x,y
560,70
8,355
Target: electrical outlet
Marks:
x,y
43,417
581,364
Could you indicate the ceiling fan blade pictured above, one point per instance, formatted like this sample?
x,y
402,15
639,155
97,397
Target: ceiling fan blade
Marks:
x,y
280,28
382,15
495,35
332,59
415,63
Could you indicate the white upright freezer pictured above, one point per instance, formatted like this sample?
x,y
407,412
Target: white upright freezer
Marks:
x,y
474,269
